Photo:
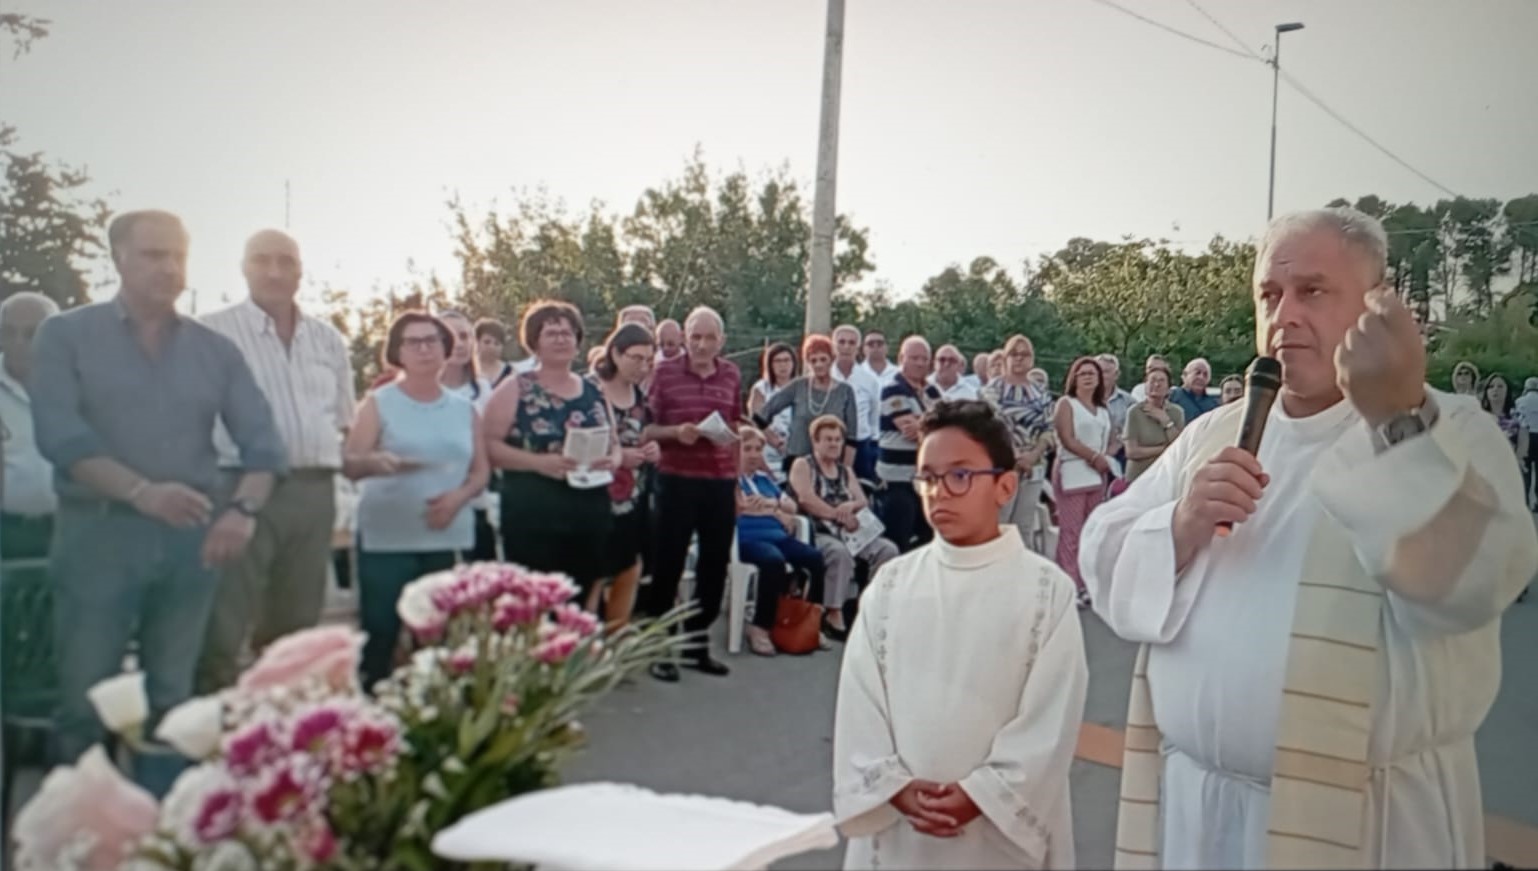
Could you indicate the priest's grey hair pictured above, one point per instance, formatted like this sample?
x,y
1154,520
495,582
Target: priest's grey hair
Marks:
x,y
1358,230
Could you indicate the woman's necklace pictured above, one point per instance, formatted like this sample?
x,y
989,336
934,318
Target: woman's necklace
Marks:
x,y
811,401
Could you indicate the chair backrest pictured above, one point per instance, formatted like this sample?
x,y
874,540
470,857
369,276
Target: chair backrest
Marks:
x,y
29,676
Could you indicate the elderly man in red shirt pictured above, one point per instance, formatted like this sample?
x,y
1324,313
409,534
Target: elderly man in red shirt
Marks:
x,y
696,487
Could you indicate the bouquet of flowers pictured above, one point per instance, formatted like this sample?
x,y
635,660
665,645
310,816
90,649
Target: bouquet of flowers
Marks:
x,y
299,769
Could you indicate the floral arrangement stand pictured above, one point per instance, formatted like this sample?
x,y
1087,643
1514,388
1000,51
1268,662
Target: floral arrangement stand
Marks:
x,y
643,831
297,768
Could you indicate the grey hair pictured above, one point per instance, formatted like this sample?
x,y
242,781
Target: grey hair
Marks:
x,y
846,328
25,297
1197,360
1356,229
706,311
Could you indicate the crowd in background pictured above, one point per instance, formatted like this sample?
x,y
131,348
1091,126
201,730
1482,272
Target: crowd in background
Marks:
x,y
178,476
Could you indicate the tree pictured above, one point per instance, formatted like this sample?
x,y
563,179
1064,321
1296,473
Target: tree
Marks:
x,y
1479,243
50,230
1506,341
364,319
1521,216
1141,297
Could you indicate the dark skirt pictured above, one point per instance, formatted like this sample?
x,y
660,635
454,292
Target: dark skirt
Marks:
x,y
628,539
548,526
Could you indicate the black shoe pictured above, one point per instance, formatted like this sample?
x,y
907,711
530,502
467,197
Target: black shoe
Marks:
x,y
664,671
833,632
709,666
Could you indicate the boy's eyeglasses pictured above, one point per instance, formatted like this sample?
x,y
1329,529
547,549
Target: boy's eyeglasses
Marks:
x,y
958,482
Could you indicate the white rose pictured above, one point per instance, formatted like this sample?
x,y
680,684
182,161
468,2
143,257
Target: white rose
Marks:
x,y
120,703
194,727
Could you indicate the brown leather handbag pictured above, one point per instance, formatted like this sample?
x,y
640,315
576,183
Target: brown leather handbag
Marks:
x,y
797,625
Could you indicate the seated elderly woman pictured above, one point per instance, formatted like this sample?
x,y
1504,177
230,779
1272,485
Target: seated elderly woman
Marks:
x,y
828,491
766,525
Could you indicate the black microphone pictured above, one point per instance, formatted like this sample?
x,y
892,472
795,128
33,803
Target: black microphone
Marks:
x,y
1261,383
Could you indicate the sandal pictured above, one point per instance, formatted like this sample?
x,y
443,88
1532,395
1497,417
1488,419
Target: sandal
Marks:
x,y
759,641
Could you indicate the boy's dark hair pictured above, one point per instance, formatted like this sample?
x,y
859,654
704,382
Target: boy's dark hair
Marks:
x,y
977,420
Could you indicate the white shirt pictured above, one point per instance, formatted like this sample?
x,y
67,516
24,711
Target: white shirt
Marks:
x,y
885,376
28,477
1220,630
308,383
1526,411
867,399
961,390
1139,392
526,365
967,666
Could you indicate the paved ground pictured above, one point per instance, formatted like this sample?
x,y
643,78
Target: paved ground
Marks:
x,y
764,734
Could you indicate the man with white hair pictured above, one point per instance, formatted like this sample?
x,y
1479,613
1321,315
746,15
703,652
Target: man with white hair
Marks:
x,y
1526,411
697,480
1322,621
867,397
301,365
1117,404
949,364
979,376
903,402
1191,395
639,313
26,520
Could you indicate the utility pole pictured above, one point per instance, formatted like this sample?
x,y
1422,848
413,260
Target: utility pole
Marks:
x,y
819,293
1276,75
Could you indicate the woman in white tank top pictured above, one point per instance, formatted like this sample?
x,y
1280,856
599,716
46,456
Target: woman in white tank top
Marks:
x,y
1083,428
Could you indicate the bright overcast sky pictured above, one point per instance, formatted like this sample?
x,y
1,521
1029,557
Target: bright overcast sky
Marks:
x,y
969,127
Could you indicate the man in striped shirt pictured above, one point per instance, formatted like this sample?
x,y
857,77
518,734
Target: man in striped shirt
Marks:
x,y
903,401
697,484
301,365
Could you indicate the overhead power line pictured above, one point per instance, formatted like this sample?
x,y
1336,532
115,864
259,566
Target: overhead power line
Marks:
x,y
1248,53
1171,30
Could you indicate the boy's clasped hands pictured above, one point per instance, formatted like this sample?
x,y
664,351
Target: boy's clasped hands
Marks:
x,y
940,810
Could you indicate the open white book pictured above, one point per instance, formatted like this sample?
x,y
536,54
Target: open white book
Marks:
x,y
869,530
587,445
642,830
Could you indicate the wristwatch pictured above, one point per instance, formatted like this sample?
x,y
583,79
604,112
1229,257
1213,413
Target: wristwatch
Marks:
x,y
1406,424
245,506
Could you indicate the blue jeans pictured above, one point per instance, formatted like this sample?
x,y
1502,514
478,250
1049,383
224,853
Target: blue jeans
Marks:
x,y
770,557
381,578
116,570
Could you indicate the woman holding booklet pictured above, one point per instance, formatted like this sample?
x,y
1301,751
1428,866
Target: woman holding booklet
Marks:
x,y
556,511
827,489
414,446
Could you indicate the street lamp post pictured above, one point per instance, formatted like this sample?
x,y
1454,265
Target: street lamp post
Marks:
x,y
1276,75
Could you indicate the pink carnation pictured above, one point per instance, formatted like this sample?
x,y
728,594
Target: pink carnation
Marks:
x,y
251,749
462,661
316,729
286,791
370,744
316,842
552,590
572,617
218,815
557,647
514,610
328,652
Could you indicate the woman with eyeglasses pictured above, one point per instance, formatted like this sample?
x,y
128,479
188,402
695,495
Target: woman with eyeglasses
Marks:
x,y
414,446
1083,426
1027,410
551,520
777,370
625,365
809,397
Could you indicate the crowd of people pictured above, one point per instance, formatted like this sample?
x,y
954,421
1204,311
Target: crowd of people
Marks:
x,y
179,474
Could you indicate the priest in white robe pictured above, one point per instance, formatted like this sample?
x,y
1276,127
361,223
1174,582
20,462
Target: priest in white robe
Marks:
x,y
1311,683
964,676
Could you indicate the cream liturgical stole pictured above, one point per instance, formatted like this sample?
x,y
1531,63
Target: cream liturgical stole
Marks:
x,y
1320,778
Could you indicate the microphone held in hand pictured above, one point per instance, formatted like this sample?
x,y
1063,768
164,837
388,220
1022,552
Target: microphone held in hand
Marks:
x,y
1261,383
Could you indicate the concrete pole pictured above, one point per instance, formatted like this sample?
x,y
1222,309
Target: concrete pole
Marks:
x,y
819,295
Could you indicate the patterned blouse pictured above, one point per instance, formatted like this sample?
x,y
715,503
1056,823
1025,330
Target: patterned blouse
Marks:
x,y
629,484
543,417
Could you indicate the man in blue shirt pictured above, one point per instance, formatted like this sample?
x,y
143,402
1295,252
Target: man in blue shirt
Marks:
x,y
1191,395
125,397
